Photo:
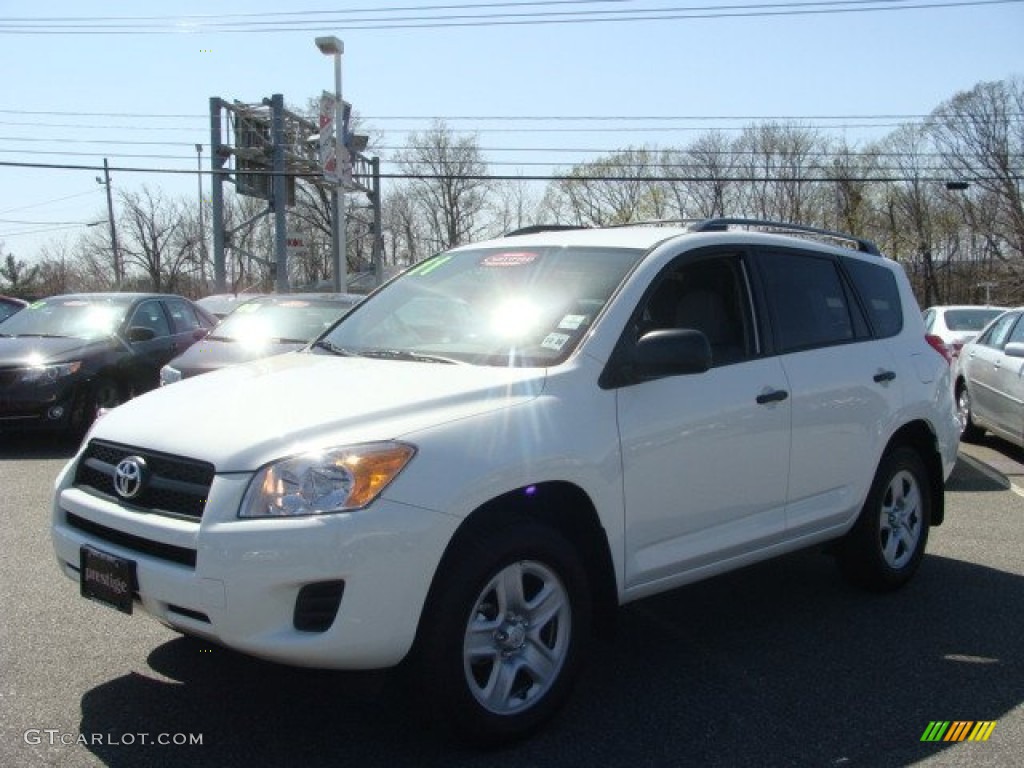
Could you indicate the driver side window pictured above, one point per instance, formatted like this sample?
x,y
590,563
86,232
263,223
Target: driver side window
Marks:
x,y
709,295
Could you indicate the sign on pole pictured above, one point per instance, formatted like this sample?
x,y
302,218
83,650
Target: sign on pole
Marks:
x,y
328,155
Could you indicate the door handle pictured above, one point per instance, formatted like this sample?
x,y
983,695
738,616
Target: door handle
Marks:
x,y
883,376
776,396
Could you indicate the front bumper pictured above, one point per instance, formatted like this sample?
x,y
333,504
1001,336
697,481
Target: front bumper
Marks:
x,y
248,574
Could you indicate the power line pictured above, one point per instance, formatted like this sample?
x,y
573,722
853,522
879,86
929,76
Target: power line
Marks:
x,y
539,177
48,202
56,26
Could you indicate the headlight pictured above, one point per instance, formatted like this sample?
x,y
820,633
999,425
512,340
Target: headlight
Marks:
x,y
333,480
45,374
169,375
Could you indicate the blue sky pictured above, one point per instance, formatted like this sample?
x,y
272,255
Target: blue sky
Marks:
x,y
816,66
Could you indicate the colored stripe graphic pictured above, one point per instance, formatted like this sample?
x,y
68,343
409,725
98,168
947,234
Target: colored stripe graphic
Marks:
x,y
935,731
958,730
982,731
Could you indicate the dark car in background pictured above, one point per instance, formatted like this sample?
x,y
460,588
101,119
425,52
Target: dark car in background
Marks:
x,y
261,327
10,305
65,357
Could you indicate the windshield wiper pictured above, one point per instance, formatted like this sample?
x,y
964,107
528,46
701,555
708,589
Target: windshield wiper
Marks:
x,y
42,335
403,354
333,348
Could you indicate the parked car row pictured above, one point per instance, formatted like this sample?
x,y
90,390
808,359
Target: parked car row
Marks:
x,y
64,358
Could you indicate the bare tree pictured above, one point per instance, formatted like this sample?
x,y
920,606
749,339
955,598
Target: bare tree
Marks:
x,y
447,183
615,189
980,135
779,158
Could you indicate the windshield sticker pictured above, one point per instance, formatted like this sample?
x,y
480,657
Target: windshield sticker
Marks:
x,y
296,303
429,265
554,341
245,309
76,303
516,259
37,304
572,322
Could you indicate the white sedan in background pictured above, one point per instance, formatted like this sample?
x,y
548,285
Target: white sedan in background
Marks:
x,y
958,324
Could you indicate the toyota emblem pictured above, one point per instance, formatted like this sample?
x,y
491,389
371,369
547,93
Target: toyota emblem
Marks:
x,y
130,477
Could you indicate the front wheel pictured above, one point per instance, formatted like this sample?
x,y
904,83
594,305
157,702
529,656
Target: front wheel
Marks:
x,y
885,547
969,431
504,632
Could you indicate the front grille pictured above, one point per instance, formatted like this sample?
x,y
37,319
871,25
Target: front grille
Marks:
x,y
169,552
176,485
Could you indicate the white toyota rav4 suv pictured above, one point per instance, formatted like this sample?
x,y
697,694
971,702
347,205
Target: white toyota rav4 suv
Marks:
x,y
487,456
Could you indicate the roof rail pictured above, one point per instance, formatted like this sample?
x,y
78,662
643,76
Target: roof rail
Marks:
x,y
722,224
676,222
535,228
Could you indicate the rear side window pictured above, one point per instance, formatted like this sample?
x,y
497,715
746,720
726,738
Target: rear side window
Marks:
x,y
808,304
880,294
185,318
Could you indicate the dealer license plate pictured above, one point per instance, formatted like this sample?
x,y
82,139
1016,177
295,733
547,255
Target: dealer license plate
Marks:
x,y
107,579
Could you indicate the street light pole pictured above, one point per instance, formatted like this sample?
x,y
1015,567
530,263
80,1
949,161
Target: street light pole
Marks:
x,y
332,46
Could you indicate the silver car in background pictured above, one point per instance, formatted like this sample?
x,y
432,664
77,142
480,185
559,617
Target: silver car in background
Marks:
x,y
989,381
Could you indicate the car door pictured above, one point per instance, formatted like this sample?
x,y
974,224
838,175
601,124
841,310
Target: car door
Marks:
x,y
153,347
705,456
843,386
187,326
982,367
1008,386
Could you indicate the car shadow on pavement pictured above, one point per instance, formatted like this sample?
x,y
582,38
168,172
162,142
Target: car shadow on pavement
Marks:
x,y
15,446
778,664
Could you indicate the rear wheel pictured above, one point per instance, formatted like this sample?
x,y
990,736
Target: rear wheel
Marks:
x,y
969,431
504,632
884,549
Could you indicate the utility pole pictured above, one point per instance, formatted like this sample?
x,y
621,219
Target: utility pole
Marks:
x,y
202,227
113,228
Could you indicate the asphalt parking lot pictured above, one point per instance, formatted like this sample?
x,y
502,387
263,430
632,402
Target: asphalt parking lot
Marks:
x,y
779,664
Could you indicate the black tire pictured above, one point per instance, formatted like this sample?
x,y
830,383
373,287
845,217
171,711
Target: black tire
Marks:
x,y
503,633
101,393
884,549
969,431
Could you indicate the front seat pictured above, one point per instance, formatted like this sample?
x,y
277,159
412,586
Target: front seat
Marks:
x,y
705,311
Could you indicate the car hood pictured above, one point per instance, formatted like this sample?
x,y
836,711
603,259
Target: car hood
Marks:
x,y
19,350
211,354
244,416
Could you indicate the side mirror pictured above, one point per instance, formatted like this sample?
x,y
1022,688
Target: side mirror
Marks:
x,y
671,353
1014,349
139,333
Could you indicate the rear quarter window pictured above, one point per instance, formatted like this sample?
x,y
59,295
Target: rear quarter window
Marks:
x,y
880,295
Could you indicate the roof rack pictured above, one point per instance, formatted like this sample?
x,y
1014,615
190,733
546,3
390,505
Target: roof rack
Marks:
x,y
721,225
535,228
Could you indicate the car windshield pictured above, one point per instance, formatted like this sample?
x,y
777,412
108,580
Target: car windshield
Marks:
x,y
487,306
299,320
970,319
80,317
